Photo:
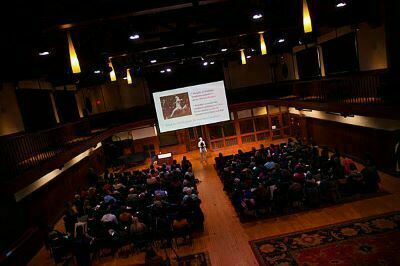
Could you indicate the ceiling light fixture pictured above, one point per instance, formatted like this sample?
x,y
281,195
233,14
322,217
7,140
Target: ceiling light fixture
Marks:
x,y
307,25
168,70
134,37
257,16
44,53
113,77
128,76
243,56
224,50
212,63
248,57
341,4
72,56
205,64
162,71
97,71
262,44
281,40
153,61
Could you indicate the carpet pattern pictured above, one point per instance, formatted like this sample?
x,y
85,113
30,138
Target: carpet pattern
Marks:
x,y
197,259
369,241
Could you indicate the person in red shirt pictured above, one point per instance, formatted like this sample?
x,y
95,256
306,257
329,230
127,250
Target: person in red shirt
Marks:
x,y
346,162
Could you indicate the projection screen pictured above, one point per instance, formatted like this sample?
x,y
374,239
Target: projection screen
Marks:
x,y
191,106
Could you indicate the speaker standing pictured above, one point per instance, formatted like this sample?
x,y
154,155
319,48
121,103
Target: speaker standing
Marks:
x,y
203,150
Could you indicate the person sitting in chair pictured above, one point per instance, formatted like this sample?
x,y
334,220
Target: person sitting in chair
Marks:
x,y
370,176
137,227
152,258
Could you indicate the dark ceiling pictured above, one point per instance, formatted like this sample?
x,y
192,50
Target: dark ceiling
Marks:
x,y
172,32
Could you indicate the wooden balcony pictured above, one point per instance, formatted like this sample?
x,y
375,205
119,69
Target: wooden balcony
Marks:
x,y
355,94
24,157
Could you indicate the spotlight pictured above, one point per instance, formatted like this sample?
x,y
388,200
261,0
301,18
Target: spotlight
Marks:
x,y
153,61
249,56
257,16
44,53
162,71
212,63
168,70
125,78
134,37
341,4
205,63
97,71
281,40
252,49
224,50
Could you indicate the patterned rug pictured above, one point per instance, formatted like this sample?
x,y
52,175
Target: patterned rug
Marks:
x,y
198,259
369,241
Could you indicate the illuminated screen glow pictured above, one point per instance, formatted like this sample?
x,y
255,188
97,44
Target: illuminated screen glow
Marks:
x,y
191,106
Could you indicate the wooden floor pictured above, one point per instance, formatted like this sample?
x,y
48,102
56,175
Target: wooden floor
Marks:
x,y
226,239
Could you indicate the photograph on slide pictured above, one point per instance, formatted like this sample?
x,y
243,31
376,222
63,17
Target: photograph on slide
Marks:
x,y
176,105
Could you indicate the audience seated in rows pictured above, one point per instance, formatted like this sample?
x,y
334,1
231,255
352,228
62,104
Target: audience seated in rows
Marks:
x,y
289,175
142,206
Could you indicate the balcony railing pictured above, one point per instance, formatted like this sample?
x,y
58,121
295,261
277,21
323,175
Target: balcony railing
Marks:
x,y
22,152
361,88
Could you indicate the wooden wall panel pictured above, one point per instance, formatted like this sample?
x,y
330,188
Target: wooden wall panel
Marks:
x,y
354,140
139,143
45,206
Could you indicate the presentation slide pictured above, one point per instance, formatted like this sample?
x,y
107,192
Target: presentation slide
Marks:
x,y
191,106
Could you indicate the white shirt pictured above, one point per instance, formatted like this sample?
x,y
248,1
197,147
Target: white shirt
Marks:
x,y
202,149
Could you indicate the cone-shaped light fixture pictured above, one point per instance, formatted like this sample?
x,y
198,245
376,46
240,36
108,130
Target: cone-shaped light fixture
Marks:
x,y
306,18
113,77
262,44
72,56
243,56
128,76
